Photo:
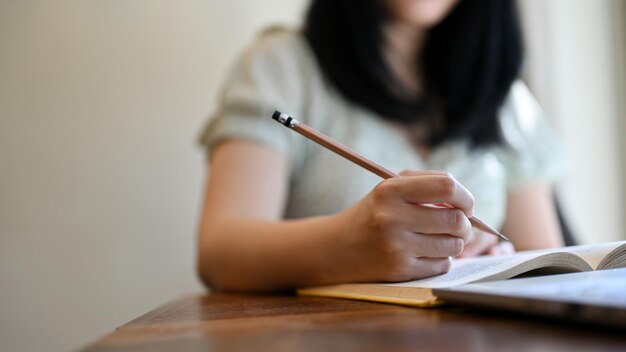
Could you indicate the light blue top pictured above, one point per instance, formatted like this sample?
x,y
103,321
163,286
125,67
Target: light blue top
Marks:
x,y
280,72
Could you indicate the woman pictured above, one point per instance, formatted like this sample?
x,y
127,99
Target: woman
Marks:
x,y
412,84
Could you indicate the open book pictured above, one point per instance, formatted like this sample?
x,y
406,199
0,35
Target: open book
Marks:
x,y
491,268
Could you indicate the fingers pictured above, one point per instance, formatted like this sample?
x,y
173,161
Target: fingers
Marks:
x,y
503,248
431,189
433,246
427,220
420,268
483,243
486,244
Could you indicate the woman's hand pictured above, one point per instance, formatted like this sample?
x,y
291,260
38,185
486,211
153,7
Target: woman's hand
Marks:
x,y
387,236
486,244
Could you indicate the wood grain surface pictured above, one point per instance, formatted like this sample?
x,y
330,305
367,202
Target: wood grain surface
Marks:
x,y
234,322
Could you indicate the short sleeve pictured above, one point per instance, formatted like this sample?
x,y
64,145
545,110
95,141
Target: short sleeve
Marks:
x,y
533,151
264,79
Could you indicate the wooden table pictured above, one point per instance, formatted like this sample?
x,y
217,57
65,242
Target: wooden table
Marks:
x,y
227,322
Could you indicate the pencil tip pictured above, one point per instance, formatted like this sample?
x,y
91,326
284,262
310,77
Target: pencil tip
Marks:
x,y
276,115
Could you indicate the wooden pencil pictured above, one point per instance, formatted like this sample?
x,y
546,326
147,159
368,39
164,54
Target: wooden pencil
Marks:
x,y
360,160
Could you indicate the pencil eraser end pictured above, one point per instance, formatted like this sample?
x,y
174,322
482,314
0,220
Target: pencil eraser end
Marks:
x,y
276,115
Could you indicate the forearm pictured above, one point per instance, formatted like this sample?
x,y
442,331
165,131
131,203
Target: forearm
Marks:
x,y
383,237
531,221
254,255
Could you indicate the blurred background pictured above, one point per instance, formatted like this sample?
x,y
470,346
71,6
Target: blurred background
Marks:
x,y
101,102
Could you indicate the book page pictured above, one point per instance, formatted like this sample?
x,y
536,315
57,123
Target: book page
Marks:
x,y
591,253
467,270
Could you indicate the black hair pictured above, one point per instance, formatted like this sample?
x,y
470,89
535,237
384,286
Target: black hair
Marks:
x,y
469,61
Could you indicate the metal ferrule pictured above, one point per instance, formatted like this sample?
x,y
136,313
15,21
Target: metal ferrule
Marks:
x,y
287,120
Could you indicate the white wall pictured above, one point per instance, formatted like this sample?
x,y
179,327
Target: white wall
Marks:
x,y
619,16
100,176
573,68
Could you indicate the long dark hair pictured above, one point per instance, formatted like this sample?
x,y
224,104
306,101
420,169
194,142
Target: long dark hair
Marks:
x,y
468,63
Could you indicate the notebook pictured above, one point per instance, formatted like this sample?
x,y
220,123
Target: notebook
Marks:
x,y
482,269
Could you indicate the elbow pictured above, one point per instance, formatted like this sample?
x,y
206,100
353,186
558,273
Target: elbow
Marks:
x,y
217,279
213,268
206,263
214,257
204,275
218,274
207,270
220,268
209,278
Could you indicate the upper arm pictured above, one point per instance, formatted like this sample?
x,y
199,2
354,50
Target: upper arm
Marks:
x,y
245,180
531,221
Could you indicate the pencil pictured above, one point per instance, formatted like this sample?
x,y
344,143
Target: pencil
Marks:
x,y
360,160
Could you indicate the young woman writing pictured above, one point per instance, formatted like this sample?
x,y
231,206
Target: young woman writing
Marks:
x,y
415,85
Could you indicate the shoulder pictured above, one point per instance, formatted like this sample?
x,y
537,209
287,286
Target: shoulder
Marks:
x,y
520,115
533,151
278,37
270,74
277,47
520,100
273,71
